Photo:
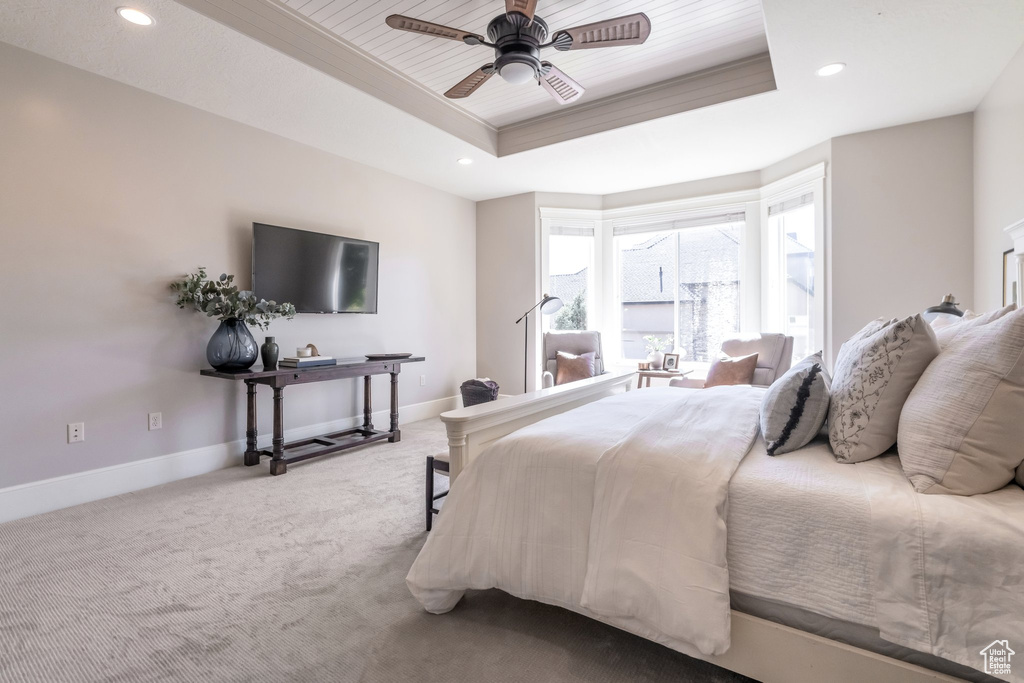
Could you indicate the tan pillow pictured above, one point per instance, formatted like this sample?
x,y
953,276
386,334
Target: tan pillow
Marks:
x,y
570,368
962,429
946,333
1020,476
874,374
728,370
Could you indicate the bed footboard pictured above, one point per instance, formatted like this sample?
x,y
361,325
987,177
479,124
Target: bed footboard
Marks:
x,y
472,429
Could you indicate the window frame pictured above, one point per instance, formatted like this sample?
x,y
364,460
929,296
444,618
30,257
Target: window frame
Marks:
x,y
773,268
585,219
758,312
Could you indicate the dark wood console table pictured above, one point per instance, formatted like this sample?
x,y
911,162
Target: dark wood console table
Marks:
x,y
318,445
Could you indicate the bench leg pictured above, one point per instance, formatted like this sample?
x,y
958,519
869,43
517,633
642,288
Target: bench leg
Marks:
x,y
430,491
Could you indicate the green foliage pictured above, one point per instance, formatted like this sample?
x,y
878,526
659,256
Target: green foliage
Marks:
x,y
655,344
222,300
573,316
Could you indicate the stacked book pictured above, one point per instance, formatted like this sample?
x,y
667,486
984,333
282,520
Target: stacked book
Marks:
x,y
308,362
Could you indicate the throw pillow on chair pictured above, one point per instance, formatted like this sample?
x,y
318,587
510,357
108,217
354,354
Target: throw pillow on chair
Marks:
x,y
571,368
728,370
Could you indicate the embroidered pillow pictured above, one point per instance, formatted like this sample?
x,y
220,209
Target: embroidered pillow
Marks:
x,y
570,368
962,429
728,370
795,406
874,374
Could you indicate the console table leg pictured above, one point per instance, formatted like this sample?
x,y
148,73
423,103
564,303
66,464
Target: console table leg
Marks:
x,y
367,405
252,455
396,433
277,464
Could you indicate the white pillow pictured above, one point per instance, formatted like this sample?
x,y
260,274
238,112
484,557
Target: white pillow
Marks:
x,y
947,333
962,428
875,372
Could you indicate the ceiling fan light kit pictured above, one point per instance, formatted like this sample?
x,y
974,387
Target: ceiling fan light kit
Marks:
x,y
518,36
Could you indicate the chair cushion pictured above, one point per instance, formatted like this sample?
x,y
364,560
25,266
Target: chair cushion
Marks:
x,y
794,408
728,370
961,430
874,374
571,368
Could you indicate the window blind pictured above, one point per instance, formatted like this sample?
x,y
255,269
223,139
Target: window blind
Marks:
x,y
571,231
790,204
680,223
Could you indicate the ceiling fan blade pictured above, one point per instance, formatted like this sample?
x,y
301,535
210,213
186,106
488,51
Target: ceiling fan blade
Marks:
x,y
632,29
427,28
564,89
527,7
468,85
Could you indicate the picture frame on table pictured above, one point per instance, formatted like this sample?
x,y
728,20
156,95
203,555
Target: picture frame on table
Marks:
x,y
671,362
1009,278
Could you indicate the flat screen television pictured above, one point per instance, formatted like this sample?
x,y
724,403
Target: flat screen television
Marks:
x,y
317,273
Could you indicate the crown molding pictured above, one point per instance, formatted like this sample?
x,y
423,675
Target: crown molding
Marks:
x,y
290,32
793,183
732,81
1016,233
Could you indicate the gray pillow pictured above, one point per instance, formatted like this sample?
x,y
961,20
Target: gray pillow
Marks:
x,y
795,406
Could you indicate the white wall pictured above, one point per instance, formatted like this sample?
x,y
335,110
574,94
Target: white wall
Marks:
x,y
506,287
902,211
998,179
107,193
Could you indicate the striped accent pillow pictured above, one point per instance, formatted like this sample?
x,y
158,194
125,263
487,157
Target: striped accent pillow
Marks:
x,y
795,406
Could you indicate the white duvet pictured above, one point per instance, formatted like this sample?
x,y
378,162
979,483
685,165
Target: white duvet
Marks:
x,y
939,574
617,509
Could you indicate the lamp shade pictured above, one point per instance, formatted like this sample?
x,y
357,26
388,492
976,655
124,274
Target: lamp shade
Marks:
x,y
550,304
947,307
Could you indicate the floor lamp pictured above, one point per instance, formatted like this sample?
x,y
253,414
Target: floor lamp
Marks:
x,y
547,305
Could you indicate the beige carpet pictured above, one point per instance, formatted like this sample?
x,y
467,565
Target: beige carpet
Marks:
x,y
239,576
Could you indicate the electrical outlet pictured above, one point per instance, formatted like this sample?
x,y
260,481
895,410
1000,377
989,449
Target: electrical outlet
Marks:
x,y
76,432
423,380
156,421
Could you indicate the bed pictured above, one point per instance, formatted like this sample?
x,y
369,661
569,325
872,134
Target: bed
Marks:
x,y
845,558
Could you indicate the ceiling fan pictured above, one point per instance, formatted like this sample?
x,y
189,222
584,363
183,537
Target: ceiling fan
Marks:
x,y
518,36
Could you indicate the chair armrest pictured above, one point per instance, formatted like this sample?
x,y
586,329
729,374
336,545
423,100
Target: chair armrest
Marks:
x,y
547,380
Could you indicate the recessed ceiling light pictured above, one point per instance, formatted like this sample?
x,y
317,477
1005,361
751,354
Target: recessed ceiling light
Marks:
x,y
134,16
465,161
830,69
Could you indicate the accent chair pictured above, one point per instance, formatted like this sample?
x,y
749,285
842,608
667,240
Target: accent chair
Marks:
x,y
774,357
576,343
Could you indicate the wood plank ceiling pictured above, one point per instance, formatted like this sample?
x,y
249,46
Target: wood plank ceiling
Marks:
x,y
687,36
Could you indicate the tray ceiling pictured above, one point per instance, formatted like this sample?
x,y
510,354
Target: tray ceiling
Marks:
x,y
687,36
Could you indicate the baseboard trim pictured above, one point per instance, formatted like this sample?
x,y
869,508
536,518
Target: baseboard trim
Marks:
x,y
25,500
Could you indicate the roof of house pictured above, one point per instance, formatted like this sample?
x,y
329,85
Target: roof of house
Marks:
x,y
705,256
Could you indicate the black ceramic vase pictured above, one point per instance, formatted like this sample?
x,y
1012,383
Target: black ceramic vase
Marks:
x,y
231,347
269,352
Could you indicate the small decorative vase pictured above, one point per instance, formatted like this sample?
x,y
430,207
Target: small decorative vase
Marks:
x,y
268,352
231,347
656,358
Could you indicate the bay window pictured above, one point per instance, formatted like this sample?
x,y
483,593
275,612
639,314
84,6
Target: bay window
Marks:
x,y
680,284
